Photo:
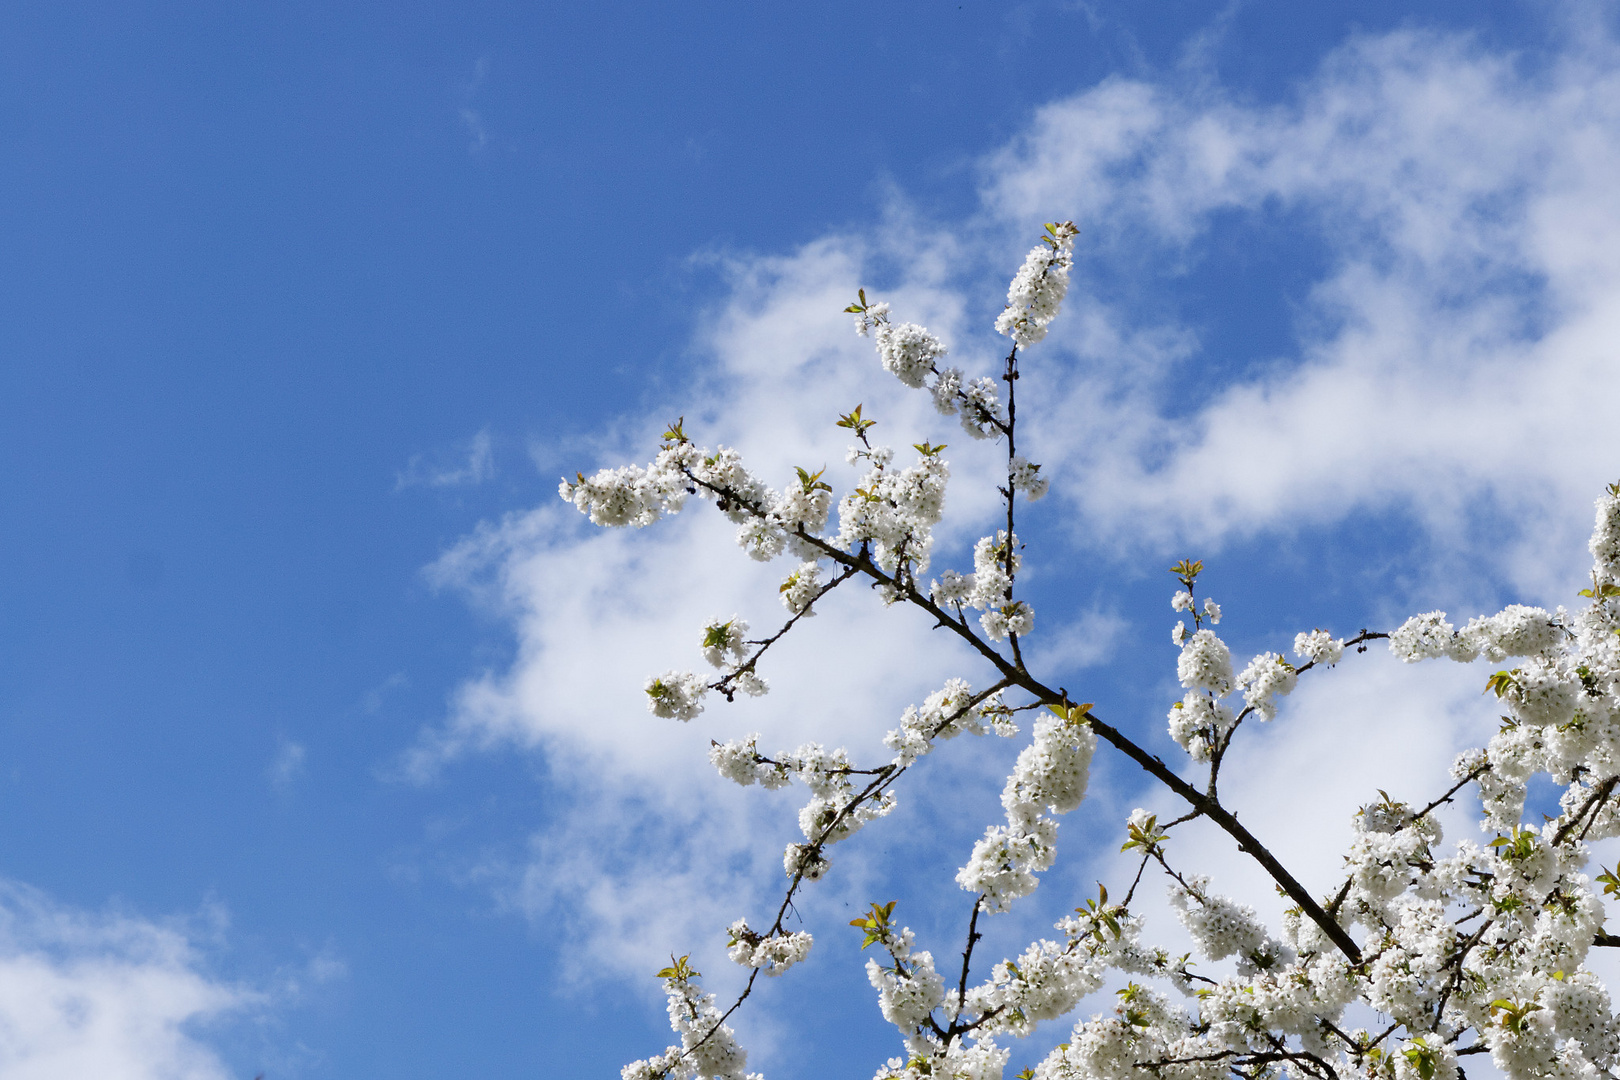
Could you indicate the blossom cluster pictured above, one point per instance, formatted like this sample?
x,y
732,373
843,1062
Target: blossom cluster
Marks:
x,y
945,714
1036,293
726,646
1202,722
893,511
708,1048
774,953
769,522
989,588
1516,630
1050,778
839,807
908,352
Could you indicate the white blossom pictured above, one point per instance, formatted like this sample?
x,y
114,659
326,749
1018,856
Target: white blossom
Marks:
x,y
869,318
1205,663
774,954
1427,636
801,588
1468,945
707,1049
1005,861
1037,291
982,410
1198,723
1515,631
1319,647
1605,542
1219,927
724,640
908,351
906,998
1026,478
947,391
676,695
1052,771
1267,678
952,588
945,714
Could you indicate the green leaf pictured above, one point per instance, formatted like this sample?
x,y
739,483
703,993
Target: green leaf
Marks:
x,y
1187,571
1075,713
1512,1013
812,482
875,923
678,969
856,422
1146,836
1423,1058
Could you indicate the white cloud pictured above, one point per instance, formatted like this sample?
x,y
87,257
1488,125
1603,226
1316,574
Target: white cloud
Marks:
x,y
597,612
288,763
374,698
472,119
1455,358
1370,723
1445,360
466,468
109,996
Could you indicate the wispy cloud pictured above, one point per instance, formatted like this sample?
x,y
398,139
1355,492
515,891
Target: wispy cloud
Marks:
x,y
107,995
478,137
471,464
472,119
374,698
287,765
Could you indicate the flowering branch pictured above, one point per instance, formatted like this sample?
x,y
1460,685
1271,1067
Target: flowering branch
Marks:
x,y
1515,985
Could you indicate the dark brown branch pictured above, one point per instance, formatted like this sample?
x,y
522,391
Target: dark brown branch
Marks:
x,y
1137,880
1010,671
1246,841
724,684
1473,774
1218,755
1011,378
885,778
967,959
1594,803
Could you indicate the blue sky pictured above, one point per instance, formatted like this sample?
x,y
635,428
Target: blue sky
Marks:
x,y
319,737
